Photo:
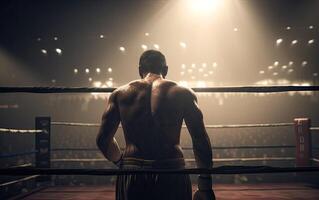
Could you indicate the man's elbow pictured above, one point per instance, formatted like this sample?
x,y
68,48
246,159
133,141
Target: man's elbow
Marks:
x,y
100,142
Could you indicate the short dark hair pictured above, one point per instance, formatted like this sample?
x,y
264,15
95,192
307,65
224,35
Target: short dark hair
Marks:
x,y
152,61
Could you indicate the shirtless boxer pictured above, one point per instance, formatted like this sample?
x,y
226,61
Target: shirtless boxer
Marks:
x,y
151,111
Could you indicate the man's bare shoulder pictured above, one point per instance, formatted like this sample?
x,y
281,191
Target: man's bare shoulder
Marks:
x,y
184,91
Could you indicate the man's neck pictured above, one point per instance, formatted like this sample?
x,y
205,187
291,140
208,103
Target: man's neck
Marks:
x,y
152,77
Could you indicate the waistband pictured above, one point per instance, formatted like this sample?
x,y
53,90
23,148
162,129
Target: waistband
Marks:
x,y
177,163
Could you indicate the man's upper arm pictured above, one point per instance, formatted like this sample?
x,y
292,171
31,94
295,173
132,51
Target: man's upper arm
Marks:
x,y
110,120
194,121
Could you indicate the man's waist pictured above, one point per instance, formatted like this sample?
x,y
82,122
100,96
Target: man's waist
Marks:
x,y
131,162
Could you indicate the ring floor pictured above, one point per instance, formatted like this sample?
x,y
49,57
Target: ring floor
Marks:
x,y
223,192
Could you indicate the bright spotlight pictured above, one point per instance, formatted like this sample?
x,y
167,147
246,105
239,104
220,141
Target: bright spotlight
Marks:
x,y
284,67
97,83
304,63
201,6
90,79
101,36
122,49
288,28
311,41
156,46
310,27
291,63
98,70
182,44
109,69
44,51
58,51
147,34
294,42
276,63
87,70
144,47
279,41
75,71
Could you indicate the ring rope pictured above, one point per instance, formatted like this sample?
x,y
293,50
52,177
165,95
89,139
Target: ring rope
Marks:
x,y
186,160
315,160
22,166
18,180
206,126
112,172
191,148
314,128
10,155
241,89
10,130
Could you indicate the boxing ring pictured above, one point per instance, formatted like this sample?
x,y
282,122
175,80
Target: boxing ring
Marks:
x,y
39,173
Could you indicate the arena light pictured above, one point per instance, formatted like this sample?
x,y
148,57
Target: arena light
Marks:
x,y
75,71
304,63
43,51
311,41
109,69
279,41
156,46
315,74
122,49
276,63
214,64
311,27
97,83
203,6
284,67
55,38
294,42
144,47
182,44
261,72
101,36
90,79
183,66
290,63
146,34
87,70
288,28
98,70
235,29
58,51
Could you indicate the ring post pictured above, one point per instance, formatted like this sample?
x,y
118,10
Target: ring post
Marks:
x,y
42,145
303,142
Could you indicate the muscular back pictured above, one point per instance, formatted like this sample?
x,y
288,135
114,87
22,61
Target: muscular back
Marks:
x,y
151,113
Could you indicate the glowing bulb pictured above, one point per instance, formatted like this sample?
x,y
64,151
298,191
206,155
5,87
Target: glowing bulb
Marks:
x,y
294,42
58,51
284,67
288,28
98,70
279,41
147,34
311,41
75,71
156,46
90,79
44,51
310,27
291,63
144,47
109,69
87,70
201,6
101,36
304,63
182,44
276,63
122,49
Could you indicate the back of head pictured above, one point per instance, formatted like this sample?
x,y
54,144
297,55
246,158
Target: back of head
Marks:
x,y
153,61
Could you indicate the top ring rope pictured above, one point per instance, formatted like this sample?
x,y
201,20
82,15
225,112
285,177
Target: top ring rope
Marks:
x,y
9,130
241,89
112,172
207,126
